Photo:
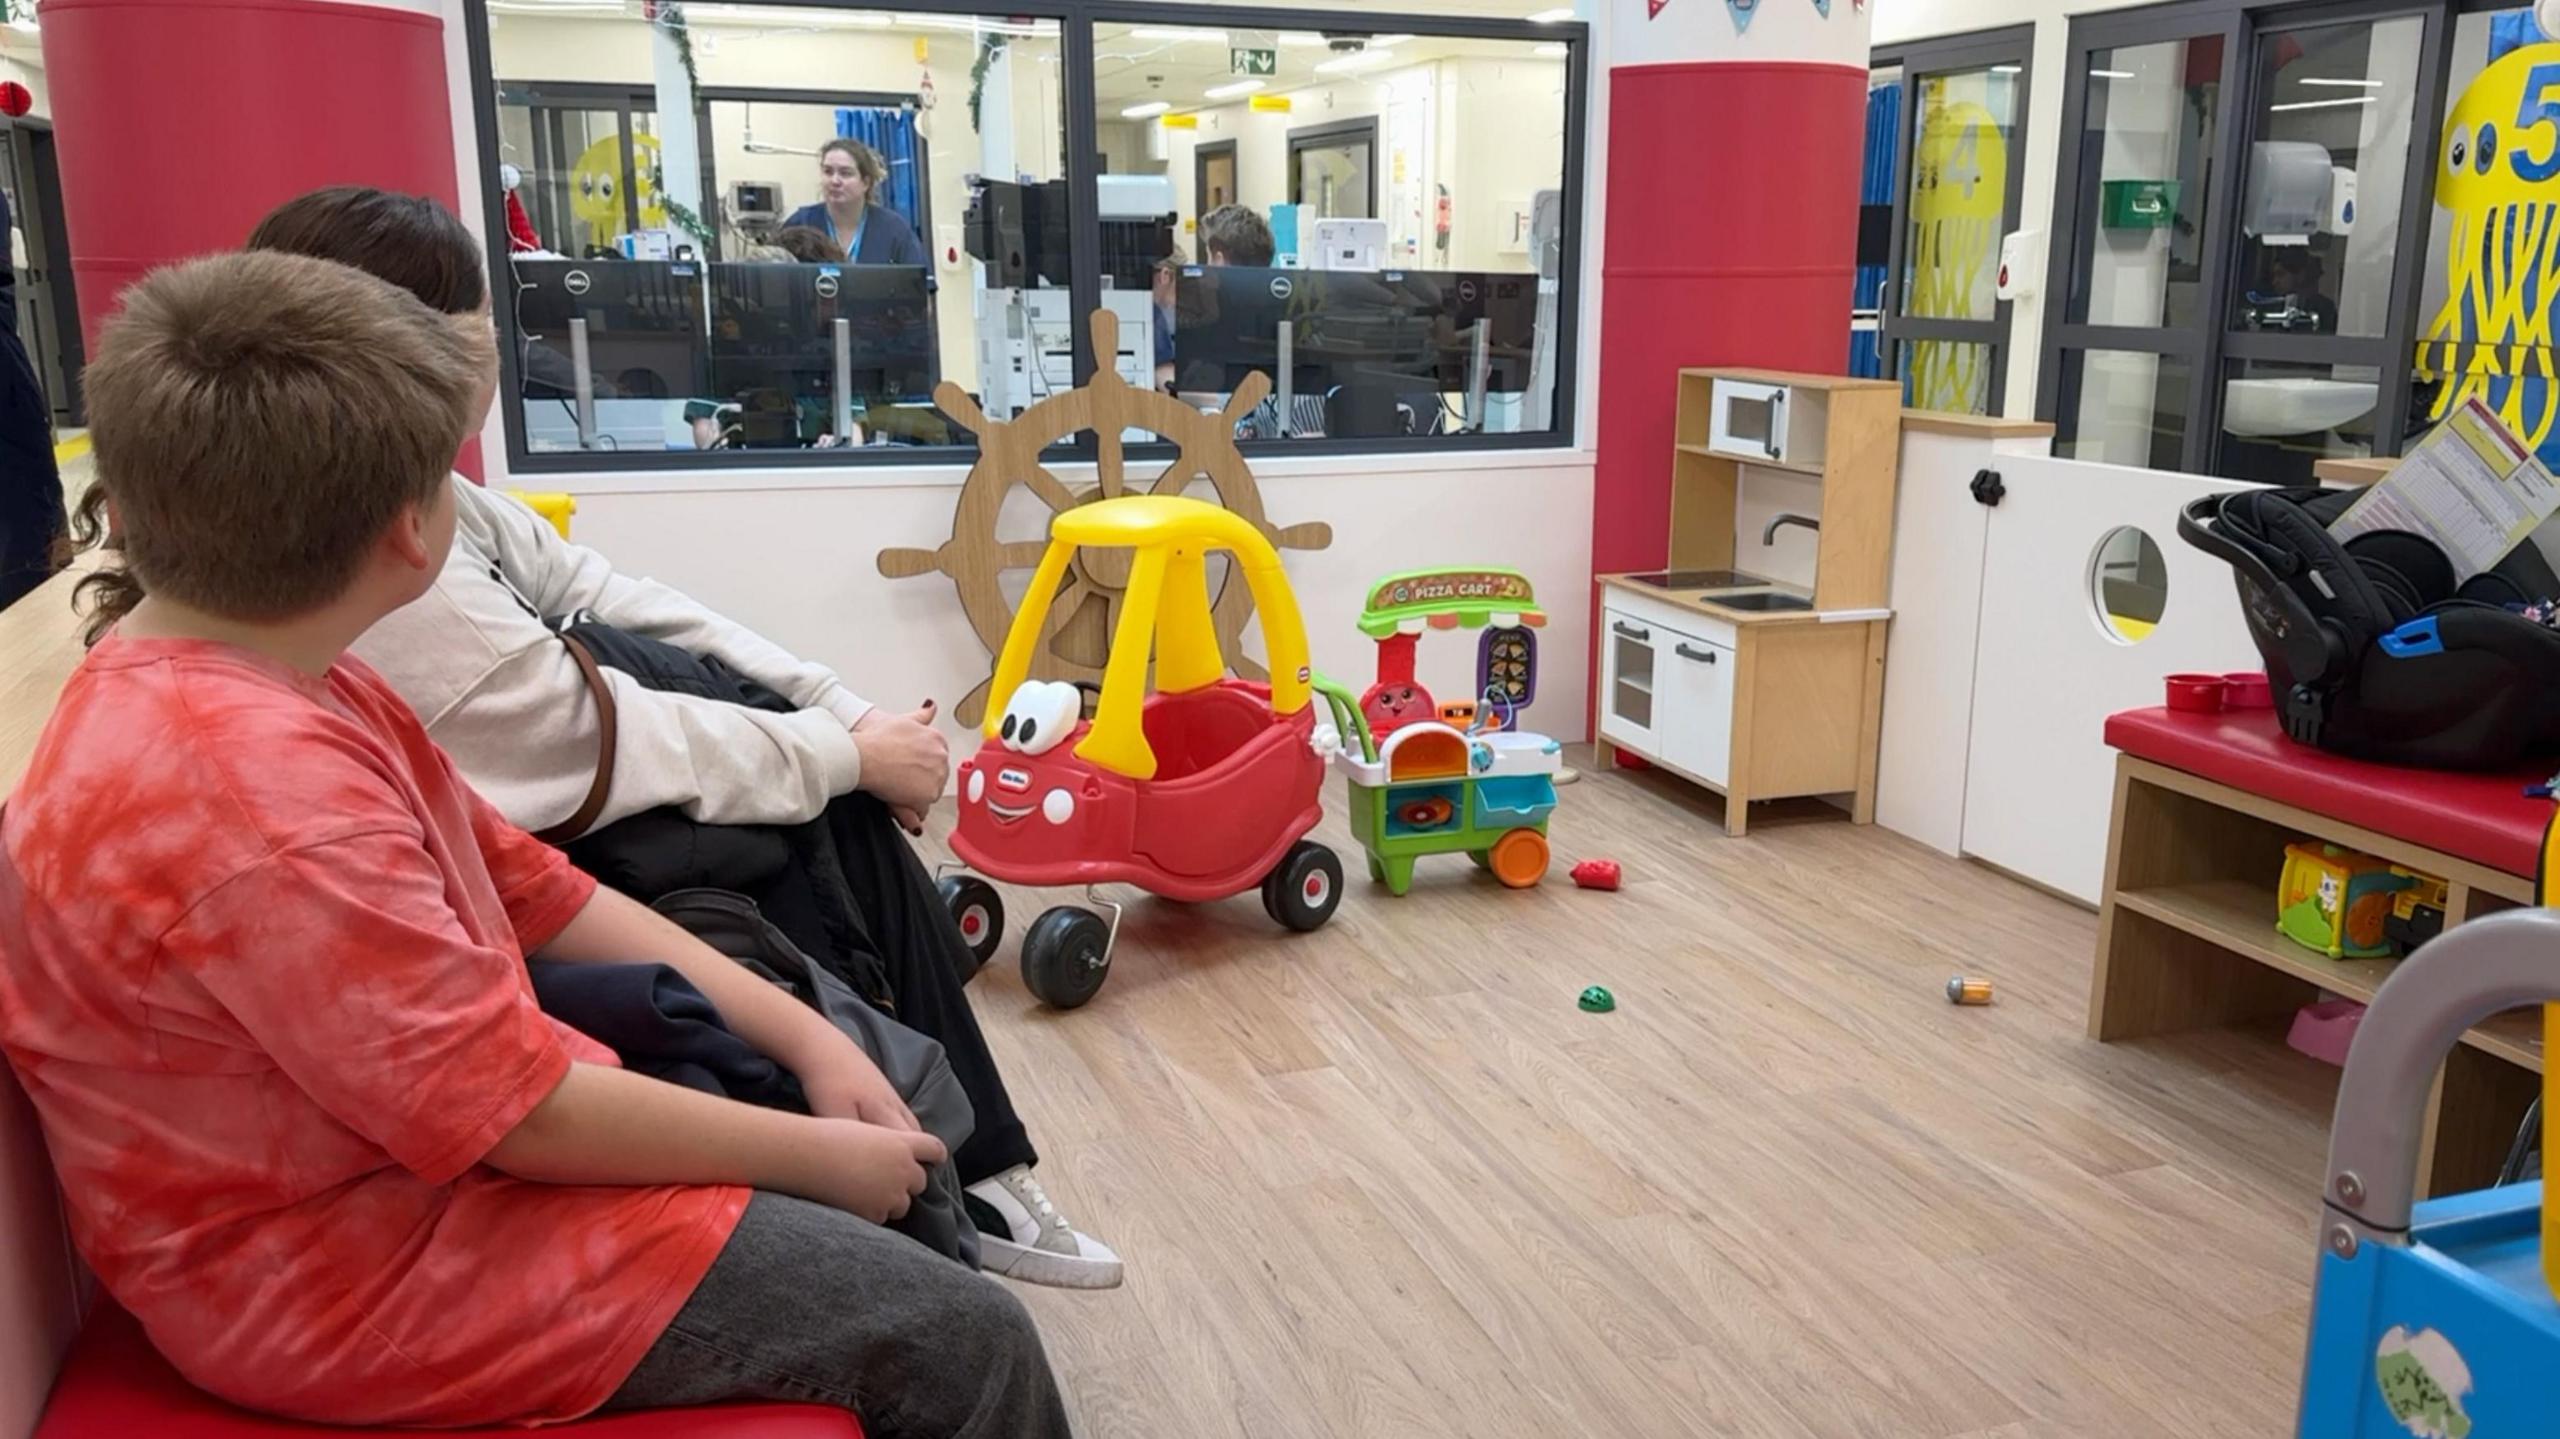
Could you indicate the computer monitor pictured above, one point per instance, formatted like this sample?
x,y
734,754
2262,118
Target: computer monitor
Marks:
x,y
773,343
1507,303
644,327
1412,329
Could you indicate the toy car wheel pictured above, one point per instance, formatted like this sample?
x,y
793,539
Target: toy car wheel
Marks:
x,y
1066,954
979,912
1519,859
1303,889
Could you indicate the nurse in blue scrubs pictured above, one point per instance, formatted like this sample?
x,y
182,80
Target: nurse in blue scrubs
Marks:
x,y
849,174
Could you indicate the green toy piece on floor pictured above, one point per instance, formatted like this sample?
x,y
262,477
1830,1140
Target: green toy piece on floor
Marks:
x,y
1598,1001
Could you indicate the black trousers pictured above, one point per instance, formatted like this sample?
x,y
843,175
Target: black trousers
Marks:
x,y
30,484
849,891
920,953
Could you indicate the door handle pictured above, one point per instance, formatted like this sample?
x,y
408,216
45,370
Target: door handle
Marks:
x,y
1687,653
1629,631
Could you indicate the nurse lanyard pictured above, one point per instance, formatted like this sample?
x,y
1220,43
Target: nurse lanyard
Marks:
x,y
852,247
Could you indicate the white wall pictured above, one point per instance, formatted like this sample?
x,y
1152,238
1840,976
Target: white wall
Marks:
x,y
799,564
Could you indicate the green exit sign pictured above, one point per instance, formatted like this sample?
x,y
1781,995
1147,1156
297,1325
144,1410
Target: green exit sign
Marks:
x,y
1242,61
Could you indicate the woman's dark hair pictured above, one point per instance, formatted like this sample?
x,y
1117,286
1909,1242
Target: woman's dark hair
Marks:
x,y
408,240
809,245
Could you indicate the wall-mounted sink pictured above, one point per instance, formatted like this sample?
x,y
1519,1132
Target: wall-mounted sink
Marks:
x,y
2301,405
1761,600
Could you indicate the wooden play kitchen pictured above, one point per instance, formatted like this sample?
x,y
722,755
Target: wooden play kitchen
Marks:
x,y
1752,683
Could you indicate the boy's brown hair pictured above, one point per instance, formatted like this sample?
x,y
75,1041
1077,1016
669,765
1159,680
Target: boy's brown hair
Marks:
x,y
1234,235
261,419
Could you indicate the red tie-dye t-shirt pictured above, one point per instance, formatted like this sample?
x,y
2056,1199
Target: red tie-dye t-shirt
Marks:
x,y
262,973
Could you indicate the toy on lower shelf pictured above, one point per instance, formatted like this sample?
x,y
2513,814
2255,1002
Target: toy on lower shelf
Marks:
x,y
2335,900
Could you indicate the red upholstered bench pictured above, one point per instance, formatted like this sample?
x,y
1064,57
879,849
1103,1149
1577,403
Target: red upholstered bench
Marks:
x,y
2204,807
116,1386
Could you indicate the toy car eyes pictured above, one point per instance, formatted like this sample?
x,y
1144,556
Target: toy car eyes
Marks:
x,y
1041,714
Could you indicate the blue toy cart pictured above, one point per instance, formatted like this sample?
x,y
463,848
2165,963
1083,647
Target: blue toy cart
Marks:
x,y
2435,1319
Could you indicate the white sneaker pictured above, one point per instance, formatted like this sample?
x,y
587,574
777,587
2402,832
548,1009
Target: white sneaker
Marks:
x,y
1021,1235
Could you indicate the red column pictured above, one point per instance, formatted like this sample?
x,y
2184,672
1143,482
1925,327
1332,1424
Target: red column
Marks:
x,y
183,122
1731,232
1731,239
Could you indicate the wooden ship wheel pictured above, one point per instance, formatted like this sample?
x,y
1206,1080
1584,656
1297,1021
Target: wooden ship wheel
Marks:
x,y
1085,613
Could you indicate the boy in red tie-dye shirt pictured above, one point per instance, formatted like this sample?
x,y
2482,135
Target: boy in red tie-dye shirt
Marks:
x,y
264,966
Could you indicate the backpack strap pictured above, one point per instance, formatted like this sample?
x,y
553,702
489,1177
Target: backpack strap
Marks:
x,y
607,715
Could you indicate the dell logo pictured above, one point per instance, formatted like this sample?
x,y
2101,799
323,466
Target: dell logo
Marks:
x,y
1280,287
576,282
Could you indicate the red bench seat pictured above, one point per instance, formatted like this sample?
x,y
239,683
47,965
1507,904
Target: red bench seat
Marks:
x,y
2484,818
115,1385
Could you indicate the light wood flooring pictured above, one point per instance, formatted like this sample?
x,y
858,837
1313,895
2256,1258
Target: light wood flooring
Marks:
x,y
1386,1179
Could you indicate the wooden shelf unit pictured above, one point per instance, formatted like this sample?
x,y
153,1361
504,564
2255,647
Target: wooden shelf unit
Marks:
x,y
2187,940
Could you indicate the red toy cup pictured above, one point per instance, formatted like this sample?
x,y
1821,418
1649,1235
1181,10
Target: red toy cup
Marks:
x,y
2247,690
2197,694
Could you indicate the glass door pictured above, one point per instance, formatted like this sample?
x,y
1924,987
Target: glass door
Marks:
x,y
1333,172
2230,284
2137,262
587,159
2318,281
1946,330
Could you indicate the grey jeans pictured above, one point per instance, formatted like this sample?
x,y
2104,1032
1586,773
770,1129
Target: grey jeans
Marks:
x,y
811,1304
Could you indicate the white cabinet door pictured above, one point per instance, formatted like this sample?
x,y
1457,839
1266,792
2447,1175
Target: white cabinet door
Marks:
x,y
2050,668
1696,695
1629,672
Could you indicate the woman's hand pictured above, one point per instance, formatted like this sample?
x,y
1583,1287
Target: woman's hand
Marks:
x,y
905,760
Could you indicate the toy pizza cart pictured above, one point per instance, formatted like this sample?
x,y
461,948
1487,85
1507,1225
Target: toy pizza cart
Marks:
x,y
2436,1318
1498,604
1204,790
1432,788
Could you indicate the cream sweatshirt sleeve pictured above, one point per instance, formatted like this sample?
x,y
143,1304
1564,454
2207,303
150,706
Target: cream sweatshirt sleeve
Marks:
x,y
501,694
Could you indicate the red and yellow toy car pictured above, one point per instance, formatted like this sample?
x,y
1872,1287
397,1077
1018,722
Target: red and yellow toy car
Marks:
x,y
1203,790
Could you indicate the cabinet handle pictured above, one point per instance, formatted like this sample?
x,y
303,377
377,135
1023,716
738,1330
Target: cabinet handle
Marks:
x,y
1630,631
1777,424
1687,653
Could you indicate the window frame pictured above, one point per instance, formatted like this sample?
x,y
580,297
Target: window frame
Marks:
x,y
1939,55
1324,137
2210,346
1076,20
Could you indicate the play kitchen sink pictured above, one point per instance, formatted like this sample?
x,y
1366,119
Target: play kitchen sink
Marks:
x,y
1736,681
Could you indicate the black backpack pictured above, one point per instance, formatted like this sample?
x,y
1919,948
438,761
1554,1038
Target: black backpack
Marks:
x,y
2373,650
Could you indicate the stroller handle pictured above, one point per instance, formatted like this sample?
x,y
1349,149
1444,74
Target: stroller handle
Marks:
x,y
2470,972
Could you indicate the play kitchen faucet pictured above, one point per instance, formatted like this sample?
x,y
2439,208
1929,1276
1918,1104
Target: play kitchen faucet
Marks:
x,y
1769,536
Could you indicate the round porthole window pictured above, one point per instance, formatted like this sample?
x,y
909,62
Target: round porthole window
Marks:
x,y
2128,585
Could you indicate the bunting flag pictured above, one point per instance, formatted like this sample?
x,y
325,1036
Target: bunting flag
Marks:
x,y
1742,11
1823,7
1654,7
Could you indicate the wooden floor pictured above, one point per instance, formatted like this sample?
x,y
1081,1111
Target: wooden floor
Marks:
x,y
1386,1179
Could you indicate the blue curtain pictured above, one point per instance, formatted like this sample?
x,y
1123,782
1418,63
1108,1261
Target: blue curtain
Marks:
x,y
1875,189
892,132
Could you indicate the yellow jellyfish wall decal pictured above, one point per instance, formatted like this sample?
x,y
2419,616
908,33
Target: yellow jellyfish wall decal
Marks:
x,y
1959,189
595,185
2494,175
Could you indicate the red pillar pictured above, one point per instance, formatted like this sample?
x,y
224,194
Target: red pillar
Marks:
x,y
1731,231
183,122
